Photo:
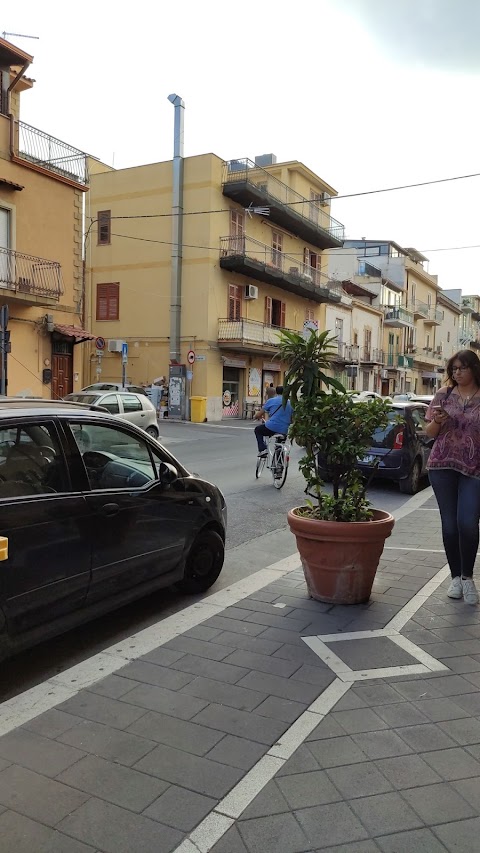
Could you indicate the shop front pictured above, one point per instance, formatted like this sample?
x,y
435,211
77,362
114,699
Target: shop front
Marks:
x,y
233,387
271,375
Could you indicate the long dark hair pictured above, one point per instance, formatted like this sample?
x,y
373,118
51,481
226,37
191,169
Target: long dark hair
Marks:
x,y
467,358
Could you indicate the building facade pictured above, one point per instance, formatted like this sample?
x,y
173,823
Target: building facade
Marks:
x,y
42,184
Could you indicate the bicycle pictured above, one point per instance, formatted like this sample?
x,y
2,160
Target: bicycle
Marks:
x,y
277,459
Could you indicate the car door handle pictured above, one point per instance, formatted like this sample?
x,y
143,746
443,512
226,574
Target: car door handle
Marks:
x,y
142,415
110,509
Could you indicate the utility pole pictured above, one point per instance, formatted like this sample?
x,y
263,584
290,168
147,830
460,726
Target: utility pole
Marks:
x,y
177,229
5,348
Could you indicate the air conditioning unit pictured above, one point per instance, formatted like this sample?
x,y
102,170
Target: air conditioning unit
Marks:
x,y
324,198
115,344
251,292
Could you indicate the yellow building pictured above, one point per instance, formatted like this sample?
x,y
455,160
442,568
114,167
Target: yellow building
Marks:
x,y
253,241
42,182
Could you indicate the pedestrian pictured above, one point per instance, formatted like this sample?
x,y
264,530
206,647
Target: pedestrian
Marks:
x,y
454,468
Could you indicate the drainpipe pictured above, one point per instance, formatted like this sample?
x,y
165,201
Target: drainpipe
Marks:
x,y
177,230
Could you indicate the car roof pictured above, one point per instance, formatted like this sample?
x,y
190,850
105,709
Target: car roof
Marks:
x,y
89,391
407,404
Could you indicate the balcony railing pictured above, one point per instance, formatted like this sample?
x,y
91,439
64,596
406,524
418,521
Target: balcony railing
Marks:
x,y
27,274
247,183
249,332
421,310
397,316
50,153
345,352
397,359
371,355
434,317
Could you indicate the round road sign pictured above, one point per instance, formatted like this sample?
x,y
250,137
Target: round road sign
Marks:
x,y
191,356
100,343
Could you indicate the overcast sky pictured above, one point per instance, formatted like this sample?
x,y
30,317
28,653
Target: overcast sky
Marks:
x,y
367,93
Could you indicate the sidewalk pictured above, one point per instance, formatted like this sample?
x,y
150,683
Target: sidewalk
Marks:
x,y
221,729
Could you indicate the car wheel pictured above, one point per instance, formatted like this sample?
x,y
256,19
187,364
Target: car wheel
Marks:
x,y
153,431
204,563
411,484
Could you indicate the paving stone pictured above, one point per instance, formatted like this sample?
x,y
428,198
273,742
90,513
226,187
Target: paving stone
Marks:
x,y
289,637
286,623
203,775
250,644
322,677
241,724
403,714
263,663
425,737
438,710
301,761
4,764
331,824
217,670
460,836
34,752
359,780
472,677
372,653
187,645
237,752
60,843
268,594
230,843
328,728
415,841
236,626
285,688
369,846
438,803
36,796
19,834
162,656
453,685
421,637
417,688
335,752
302,654
268,802
171,731
255,606
180,808
113,686
453,634
280,709
385,744
453,764
463,731
469,702
102,709
273,833
113,782
151,673
115,830
376,694
301,601
152,698
405,771
385,813
200,632
305,789
52,723
350,700
469,789
224,694
359,720
120,746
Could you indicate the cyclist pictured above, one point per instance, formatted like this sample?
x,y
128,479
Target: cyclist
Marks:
x,y
279,419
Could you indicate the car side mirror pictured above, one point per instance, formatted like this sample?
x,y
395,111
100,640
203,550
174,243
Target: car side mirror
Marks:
x,y
167,473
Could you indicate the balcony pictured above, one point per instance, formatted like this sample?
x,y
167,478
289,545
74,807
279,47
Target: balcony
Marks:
x,y
29,278
347,353
398,318
370,355
248,335
246,183
399,360
434,317
248,257
47,153
420,310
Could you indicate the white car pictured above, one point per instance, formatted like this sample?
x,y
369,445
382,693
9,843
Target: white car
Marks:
x,y
135,408
365,396
114,386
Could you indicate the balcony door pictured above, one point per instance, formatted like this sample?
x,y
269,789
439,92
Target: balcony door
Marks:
x,y
5,258
237,232
234,301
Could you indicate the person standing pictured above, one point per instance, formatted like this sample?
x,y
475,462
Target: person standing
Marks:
x,y
454,468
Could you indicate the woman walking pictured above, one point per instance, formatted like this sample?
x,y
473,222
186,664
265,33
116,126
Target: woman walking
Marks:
x,y
454,468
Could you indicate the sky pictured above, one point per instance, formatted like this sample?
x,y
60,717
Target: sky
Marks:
x,y
367,93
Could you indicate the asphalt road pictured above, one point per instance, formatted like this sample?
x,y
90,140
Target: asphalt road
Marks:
x,y
257,536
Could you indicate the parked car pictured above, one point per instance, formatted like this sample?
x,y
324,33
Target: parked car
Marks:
x,y
414,398
96,514
400,451
115,386
365,396
136,408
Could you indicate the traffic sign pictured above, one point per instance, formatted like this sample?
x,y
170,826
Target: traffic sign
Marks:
x,y
124,353
100,343
191,356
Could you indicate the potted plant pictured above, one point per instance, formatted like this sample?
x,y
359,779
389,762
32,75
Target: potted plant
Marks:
x,y
339,536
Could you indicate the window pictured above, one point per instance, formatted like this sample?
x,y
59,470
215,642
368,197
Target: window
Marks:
x,y
339,329
31,462
234,301
367,343
237,232
113,458
131,403
108,299
309,314
275,312
104,227
277,248
110,402
310,262
448,337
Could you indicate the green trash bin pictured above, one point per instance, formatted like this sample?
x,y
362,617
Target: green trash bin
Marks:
x,y
198,409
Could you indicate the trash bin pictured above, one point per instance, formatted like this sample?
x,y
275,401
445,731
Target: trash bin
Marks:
x,y
198,409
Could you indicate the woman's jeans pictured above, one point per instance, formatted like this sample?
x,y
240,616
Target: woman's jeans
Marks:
x,y
458,499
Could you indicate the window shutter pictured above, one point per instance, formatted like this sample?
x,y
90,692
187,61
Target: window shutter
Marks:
x,y
113,302
103,227
283,309
268,310
108,301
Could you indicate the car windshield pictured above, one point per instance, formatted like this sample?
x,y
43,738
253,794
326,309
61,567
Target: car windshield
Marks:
x,y
86,399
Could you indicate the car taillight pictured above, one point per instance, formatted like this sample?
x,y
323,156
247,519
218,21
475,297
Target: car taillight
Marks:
x,y
398,443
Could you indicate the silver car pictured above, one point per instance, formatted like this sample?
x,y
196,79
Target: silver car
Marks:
x,y
135,408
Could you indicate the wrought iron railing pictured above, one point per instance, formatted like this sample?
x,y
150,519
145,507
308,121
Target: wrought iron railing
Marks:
x,y
248,331
372,355
51,153
345,352
397,313
30,275
312,211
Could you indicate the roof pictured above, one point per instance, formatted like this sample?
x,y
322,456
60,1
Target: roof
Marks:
x,y
6,183
10,54
74,332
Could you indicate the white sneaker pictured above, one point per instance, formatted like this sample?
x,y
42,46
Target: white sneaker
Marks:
x,y
262,454
455,590
470,594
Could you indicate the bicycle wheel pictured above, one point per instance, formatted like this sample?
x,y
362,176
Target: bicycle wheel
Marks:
x,y
280,467
260,466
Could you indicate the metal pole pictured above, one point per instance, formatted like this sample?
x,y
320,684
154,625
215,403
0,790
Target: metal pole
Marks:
x,y
4,314
177,230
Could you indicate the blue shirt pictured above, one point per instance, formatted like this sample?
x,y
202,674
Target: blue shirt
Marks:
x,y
279,418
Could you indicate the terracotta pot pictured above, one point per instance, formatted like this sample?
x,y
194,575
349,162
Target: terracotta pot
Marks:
x,y
340,558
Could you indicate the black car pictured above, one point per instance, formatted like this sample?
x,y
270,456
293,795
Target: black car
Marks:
x,y
96,513
400,451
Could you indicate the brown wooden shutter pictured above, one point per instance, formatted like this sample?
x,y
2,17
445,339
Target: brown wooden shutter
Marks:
x,y
104,227
283,309
268,310
108,301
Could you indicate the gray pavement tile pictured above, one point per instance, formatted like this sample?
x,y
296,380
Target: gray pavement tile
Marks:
x,y
114,744
290,638
60,843
4,764
438,803
403,714
34,752
224,694
217,670
469,789
359,780
19,834
429,621
467,647
280,709
286,623
151,673
322,677
469,702
332,824
263,663
374,694
466,665
417,688
443,651
328,728
241,724
199,648
359,720
113,782
269,801
463,731
152,698
421,637
302,601
440,709
302,761
200,774
267,594
230,843
372,652
369,846
200,632
180,808
350,700
284,688
255,606
453,685
460,836
250,644
162,656
472,677
237,752
178,733
384,744
115,830
272,834
37,797
113,686
452,634
389,597
405,771
52,723
385,813
101,709
427,736
415,841
453,764
300,653
236,626
305,789
335,752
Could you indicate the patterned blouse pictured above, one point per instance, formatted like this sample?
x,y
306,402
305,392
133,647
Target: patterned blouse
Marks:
x,y
457,445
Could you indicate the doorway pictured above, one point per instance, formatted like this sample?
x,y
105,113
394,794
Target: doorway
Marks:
x,y
231,392
62,369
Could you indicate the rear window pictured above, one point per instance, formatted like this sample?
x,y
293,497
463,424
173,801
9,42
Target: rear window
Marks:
x,y
86,399
384,437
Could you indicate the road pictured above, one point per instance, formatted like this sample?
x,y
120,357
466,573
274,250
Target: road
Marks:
x,y
257,536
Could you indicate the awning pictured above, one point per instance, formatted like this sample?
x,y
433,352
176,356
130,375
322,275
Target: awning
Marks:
x,y
74,332
4,182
